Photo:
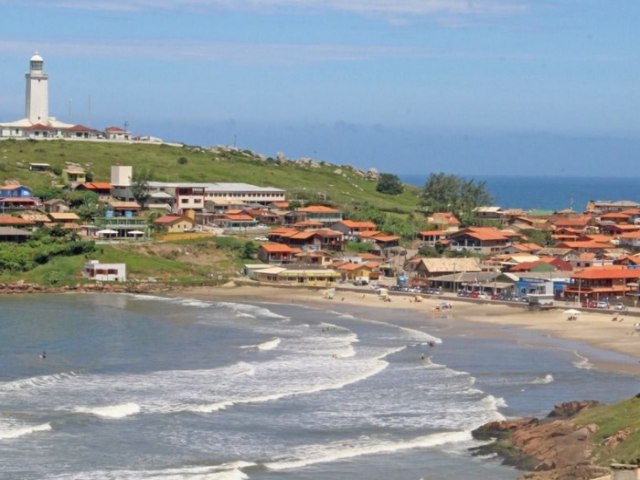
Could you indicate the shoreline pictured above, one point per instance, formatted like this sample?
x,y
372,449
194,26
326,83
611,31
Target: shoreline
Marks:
x,y
595,329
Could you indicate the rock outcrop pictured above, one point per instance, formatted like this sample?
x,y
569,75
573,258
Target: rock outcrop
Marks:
x,y
553,448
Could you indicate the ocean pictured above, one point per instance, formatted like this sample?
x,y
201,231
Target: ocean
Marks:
x,y
550,193
145,387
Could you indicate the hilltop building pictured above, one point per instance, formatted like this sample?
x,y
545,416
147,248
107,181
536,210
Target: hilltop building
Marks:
x,y
37,124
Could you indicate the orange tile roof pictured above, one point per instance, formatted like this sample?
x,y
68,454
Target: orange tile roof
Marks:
x,y
483,233
630,235
608,272
239,217
277,248
355,224
584,244
302,235
97,185
430,233
168,219
9,220
615,215
350,267
386,238
318,209
369,234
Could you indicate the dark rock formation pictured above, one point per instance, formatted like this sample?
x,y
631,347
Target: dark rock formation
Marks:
x,y
551,449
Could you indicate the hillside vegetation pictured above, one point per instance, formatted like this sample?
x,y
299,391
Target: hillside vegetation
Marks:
x,y
342,185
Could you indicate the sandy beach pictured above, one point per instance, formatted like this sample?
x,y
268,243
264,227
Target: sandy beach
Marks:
x,y
609,330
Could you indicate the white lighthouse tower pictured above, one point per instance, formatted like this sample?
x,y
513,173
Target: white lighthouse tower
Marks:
x,y
37,98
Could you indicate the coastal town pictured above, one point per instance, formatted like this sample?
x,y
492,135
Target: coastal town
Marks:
x,y
588,258
480,258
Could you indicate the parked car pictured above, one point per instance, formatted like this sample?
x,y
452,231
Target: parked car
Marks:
x,y
602,304
474,294
589,304
620,307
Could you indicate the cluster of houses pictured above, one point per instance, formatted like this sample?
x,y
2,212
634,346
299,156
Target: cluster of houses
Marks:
x,y
590,256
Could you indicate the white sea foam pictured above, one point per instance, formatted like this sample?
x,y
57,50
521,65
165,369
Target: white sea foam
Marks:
x,y
548,378
269,344
112,411
36,382
227,471
582,362
15,431
357,448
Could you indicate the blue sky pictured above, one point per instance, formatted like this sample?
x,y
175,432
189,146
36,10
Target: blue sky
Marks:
x,y
473,87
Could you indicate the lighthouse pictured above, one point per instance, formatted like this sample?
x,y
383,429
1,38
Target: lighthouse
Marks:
x,y
37,98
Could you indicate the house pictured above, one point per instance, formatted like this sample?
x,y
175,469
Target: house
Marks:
x,y
15,190
578,222
318,239
482,240
327,215
590,246
523,247
615,229
39,167
173,223
14,196
236,220
420,270
297,276
488,213
36,218
18,203
102,189
607,206
431,238
352,229
446,221
121,208
602,283
117,133
277,253
16,235
56,205
630,240
105,272
10,221
65,219
314,257
75,175
366,271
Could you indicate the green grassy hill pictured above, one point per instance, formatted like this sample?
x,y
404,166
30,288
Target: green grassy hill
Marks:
x,y
618,434
342,185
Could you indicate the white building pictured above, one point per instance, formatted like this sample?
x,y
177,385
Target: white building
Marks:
x,y
105,272
193,196
37,123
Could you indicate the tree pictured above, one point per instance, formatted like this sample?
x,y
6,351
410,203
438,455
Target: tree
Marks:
x,y
451,193
140,186
389,184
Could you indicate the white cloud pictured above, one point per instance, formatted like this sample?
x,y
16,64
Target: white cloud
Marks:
x,y
240,53
361,7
